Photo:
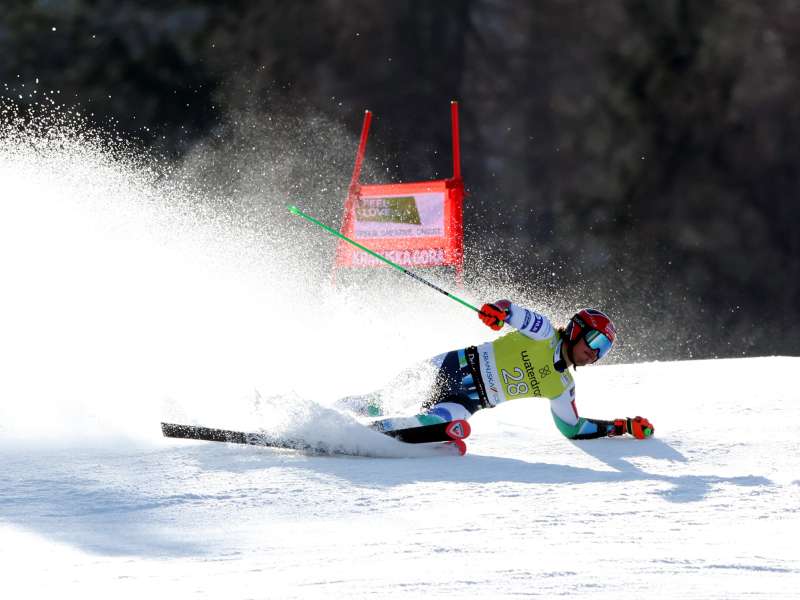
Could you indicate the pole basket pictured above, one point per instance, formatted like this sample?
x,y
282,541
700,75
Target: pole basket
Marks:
x,y
416,225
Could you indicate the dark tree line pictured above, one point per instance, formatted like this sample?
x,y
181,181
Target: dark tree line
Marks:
x,y
641,154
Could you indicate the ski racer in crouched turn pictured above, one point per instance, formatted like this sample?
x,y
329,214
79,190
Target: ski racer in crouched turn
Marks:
x,y
530,362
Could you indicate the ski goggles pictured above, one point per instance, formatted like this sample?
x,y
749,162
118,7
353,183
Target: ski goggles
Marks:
x,y
598,341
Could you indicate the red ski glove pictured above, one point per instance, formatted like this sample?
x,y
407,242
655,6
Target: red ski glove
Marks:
x,y
638,427
493,315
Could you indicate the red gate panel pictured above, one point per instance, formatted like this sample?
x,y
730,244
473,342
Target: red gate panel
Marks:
x,y
417,224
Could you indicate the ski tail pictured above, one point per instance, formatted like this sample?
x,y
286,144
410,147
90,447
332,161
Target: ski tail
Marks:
x,y
211,434
208,434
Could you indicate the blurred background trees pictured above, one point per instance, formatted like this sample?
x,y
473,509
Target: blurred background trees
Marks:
x,y
640,154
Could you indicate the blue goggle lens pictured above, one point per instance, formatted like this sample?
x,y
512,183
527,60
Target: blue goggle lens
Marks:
x,y
598,341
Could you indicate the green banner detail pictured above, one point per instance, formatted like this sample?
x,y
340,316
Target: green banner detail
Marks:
x,y
388,210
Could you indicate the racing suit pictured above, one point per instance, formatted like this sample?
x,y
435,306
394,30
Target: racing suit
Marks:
x,y
526,363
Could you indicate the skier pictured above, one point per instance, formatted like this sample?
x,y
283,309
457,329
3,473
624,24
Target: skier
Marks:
x,y
530,362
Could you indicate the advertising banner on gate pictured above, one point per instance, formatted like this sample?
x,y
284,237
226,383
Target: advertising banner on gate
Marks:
x,y
400,215
418,224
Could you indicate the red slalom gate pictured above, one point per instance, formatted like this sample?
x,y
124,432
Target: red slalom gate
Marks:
x,y
416,225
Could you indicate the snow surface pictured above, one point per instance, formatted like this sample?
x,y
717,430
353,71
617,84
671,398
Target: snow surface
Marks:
x,y
708,509
121,306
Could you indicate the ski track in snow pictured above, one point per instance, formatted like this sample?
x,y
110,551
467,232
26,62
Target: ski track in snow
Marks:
x,y
707,509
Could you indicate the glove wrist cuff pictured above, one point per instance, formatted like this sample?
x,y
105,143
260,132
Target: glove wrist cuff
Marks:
x,y
621,427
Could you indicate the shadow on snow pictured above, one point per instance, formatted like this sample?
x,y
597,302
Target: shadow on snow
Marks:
x,y
150,503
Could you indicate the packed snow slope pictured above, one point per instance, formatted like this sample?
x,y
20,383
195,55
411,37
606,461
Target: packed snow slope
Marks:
x,y
129,296
707,509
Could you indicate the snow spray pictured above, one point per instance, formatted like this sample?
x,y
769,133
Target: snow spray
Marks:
x,y
128,288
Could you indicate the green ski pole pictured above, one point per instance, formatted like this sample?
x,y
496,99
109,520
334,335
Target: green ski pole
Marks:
x,y
296,211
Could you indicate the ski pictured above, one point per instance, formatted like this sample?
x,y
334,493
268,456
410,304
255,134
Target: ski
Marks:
x,y
452,434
